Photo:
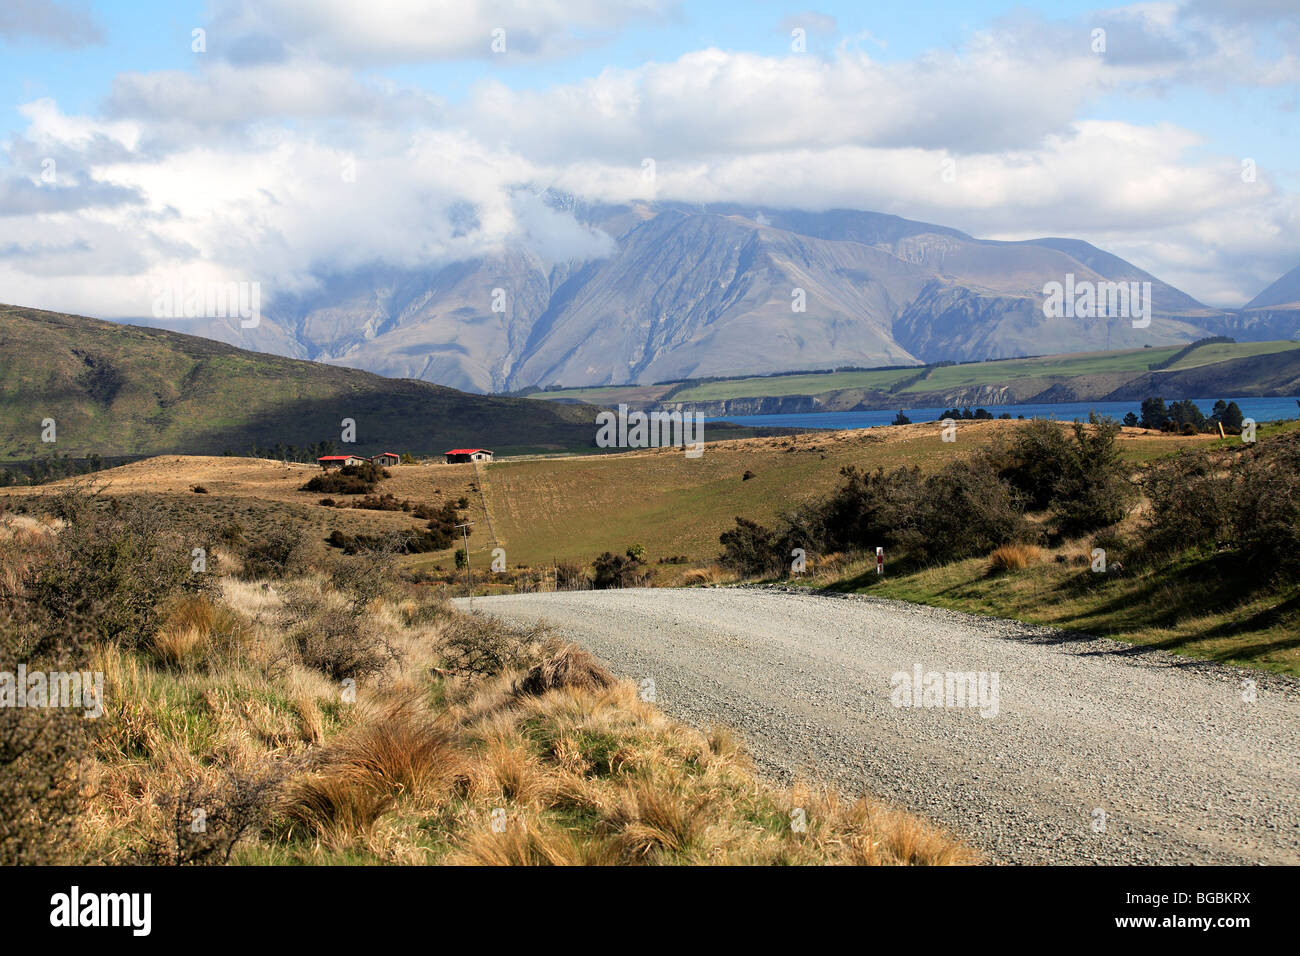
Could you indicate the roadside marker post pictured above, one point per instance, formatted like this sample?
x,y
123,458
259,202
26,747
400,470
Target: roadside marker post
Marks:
x,y
880,560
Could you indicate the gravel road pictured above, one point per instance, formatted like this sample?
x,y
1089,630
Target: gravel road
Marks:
x,y
1184,769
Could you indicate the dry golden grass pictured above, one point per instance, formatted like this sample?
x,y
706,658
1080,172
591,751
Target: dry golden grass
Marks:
x,y
176,644
1013,557
557,764
710,574
649,790
570,667
337,805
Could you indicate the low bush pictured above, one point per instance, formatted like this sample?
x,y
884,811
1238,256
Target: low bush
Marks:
x,y
618,571
276,554
750,549
340,642
238,805
475,645
111,571
570,576
40,752
1248,504
348,480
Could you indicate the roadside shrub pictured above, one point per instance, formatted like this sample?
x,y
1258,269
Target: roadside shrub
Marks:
x,y
750,549
337,641
475,645
1093,490
1078,474
964,510
570,576
1034,461
618,571
40,750
872,509
1267,516
1192,504
1249,504
371,577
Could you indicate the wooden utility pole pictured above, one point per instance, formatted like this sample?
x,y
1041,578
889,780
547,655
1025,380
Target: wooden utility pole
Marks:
x,y
469,583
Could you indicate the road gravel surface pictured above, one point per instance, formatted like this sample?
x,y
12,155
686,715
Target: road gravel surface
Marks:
x,y
1092,751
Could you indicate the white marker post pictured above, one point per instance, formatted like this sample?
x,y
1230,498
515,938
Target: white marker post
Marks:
x,y
880,560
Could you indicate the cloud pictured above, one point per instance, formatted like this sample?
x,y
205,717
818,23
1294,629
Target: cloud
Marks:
x,y
48,21
22,197
280,166
384,32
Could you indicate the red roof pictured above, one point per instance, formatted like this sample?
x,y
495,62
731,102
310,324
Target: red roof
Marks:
x,y
466,451
335,457
393,453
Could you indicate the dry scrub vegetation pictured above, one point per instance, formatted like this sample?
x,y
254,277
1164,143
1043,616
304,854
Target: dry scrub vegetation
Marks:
x,y
342,715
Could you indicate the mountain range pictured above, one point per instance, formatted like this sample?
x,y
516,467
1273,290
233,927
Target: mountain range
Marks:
x,y
695,291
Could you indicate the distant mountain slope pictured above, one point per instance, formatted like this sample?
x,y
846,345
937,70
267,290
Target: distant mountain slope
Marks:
x,y
691,291
122,390
1273,374
1284,292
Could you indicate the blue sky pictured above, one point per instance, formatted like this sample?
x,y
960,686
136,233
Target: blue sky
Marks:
x,y
1137,148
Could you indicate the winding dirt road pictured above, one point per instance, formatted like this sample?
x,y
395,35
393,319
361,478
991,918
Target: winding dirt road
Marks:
x,y
1089,751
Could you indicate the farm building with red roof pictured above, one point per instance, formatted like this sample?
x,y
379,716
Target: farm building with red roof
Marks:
x,y
457,455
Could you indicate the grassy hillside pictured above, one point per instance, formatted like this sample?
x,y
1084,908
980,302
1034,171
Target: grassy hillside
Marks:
x,y
574,508
1092,374
123,390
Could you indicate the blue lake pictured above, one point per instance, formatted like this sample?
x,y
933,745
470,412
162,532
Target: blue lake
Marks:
x,y
1260,409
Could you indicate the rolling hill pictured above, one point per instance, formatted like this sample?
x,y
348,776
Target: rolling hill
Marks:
x,y
116,390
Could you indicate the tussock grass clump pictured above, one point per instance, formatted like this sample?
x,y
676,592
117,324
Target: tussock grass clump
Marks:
x,y
1013,557
712,574
337,805
395,752
194,628
572,667
401,746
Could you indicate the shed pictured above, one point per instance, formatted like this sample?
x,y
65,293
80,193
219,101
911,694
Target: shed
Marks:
x,y
387,458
